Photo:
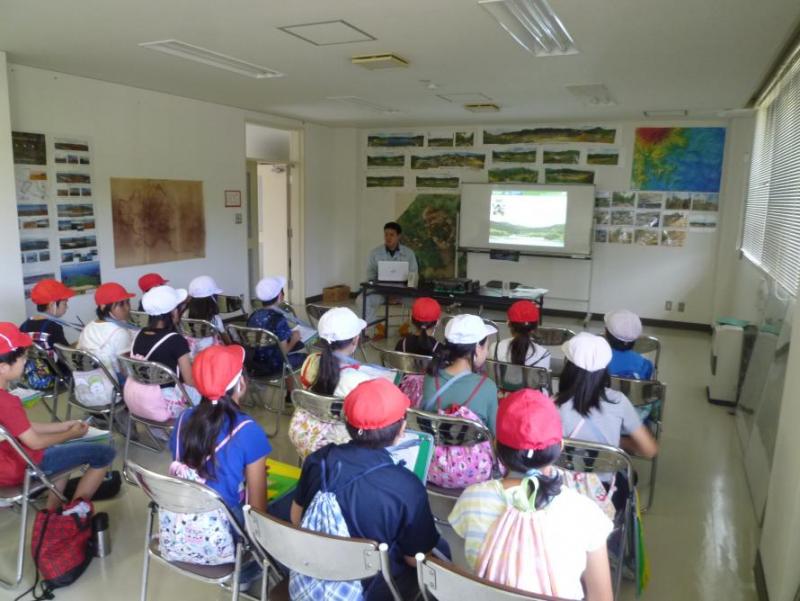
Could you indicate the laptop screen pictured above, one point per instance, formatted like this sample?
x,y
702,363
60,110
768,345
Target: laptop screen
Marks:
x,y
392,271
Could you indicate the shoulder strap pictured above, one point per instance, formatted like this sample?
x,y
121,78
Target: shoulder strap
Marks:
x,y
363,474
157,344
440,391
475,390
540,359
233,432
178,437
404,343
592,426
577,428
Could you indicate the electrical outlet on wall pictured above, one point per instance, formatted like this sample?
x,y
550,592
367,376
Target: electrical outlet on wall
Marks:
x,y
237,219
668,306
681,307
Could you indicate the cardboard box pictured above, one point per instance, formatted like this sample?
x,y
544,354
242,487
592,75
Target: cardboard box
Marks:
x,y
335,294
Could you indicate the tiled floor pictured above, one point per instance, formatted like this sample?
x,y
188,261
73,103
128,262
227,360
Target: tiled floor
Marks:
x,y
700,534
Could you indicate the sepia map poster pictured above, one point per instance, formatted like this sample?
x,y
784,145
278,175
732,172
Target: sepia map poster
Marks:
x,y
157,220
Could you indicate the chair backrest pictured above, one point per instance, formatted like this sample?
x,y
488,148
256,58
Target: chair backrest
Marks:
x,y
251,338
139,318
319,555
37,352
643,393
509,376
408,363
448,430
197,328
229,303
547,336
150,372
585,456
287,308
177,494
314,312
323,407
445,581
650,346
80,360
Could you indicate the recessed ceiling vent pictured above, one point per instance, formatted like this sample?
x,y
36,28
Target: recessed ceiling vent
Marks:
x,y
482,107
374,62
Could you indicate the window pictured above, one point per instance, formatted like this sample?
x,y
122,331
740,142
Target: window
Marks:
x,y
771,234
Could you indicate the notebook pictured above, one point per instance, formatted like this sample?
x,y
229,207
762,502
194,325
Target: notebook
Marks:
x,y
92,435
416,449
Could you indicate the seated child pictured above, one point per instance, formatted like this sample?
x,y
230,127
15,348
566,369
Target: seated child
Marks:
x,y
148,281
379,500
520,349
559,536
332,372
425,313
623,327
110,335
203,291
268,360
42,441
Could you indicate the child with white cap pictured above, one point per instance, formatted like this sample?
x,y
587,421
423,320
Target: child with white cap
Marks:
x,y
453,378
623,327
202,304
269,360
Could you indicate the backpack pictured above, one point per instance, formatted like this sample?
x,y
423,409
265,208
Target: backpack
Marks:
x,y
62,546
514,552
412,386
148,400
325,515
37,372
199,538
93,388
588,483
460,466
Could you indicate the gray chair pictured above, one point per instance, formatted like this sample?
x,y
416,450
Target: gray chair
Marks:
x,y
317,555
197,328
139,319
647,396
184,496
253,339
324,408
230,304
510,377
650,347
60,383
407,363
547,336
445,581
34,482
314,312
589,457
80,360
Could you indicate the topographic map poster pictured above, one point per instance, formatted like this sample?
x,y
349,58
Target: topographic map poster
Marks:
x,y
157,220
429,225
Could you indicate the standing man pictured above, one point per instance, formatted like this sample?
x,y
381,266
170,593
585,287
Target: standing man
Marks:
x,y
390,250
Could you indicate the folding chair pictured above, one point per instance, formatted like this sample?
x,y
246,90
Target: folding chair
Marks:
x,y
445,581
148,373
589,457
314,312
323,407
197,328
648,396
253,339
184,496
548,336
139,318
80,360
408,363
35,481
449,431
60,380
650,347
317,555
510,377
230,304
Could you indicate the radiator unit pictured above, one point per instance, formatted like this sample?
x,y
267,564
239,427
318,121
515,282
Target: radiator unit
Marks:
x,y
726,362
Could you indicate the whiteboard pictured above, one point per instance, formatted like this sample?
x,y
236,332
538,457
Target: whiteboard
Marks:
x,y
475,208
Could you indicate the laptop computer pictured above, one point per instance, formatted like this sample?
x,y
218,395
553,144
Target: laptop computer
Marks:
x,y
393,271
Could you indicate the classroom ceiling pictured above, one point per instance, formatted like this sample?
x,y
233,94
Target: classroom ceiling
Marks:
x,y
699,55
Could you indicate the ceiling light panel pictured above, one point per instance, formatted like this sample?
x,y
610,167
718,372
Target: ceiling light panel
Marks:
x,y
465,97
211,58
533,25
363,103
328,33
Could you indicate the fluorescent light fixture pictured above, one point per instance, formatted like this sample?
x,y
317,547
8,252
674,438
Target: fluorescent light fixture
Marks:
x,y
667,114
365,104
211,58
533,25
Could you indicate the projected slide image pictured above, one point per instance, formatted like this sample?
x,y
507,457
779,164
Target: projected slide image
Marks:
x,y
528,217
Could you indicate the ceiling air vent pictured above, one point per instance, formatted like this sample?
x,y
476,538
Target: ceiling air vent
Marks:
x,y
482,107
379,61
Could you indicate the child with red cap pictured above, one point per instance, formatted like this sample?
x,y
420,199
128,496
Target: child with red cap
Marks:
x,y
425,314
148,281
520,349
558,536
110,335
379,499
42,441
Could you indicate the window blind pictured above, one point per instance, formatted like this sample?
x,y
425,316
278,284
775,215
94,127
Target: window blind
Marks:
x,y
771,231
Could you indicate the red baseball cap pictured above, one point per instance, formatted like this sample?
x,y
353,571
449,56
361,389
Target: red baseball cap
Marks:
x,y
217,369
50,291
11,338
528,420
426,309
523,311
151,280
109,293
375,404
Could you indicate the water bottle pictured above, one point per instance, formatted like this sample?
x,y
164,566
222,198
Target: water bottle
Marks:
x,y
102,534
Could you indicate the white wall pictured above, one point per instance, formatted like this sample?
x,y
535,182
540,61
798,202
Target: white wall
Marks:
x,y
138,133
266,143
637,277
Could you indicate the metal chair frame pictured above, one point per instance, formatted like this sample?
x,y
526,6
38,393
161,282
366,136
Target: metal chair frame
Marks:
x,y
314,311
317,555
197,328
184,496
538,378
408,363
645,345
551,336
329,409
60,380
139,318
230,303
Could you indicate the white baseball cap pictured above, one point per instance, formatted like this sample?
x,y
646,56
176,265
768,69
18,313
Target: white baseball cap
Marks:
x,y
203,286
269,288
467,329
163,299
623,325
587,351
340,323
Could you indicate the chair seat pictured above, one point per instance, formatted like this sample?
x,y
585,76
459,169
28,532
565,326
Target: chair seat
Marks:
x,y
214,572
13,494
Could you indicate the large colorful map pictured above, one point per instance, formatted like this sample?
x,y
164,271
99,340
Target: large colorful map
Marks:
x,y
678,158
429,229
